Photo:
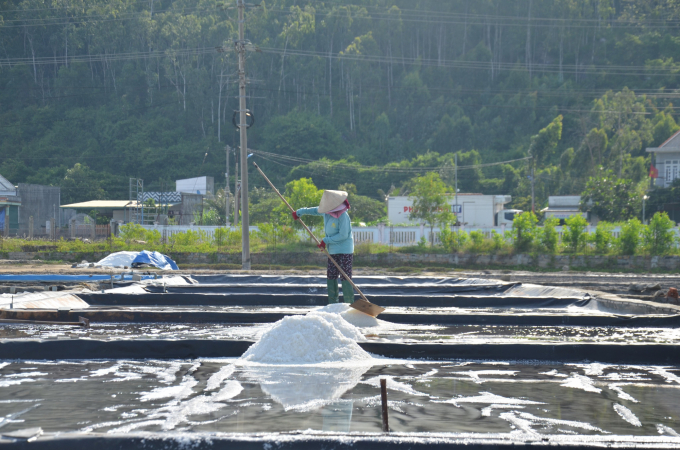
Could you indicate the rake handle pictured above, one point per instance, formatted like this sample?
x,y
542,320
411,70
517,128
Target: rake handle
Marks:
x,y
312,234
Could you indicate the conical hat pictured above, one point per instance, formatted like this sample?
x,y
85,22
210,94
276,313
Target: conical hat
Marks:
x,y
331,200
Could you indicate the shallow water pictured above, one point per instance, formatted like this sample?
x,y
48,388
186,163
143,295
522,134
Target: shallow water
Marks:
x,y
523,399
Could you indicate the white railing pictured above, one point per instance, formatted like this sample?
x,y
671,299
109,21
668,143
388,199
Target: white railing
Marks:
x,y
396,236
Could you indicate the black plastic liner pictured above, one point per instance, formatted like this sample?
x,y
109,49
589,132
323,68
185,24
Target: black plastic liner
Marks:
x,y
194,348
368,289
251,317
321,281
321,299
296,441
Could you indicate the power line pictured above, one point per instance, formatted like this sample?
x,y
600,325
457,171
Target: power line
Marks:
x,y
454,64
475,65
387,168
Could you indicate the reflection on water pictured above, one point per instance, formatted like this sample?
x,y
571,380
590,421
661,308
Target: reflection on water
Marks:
x,y
304,388
521,401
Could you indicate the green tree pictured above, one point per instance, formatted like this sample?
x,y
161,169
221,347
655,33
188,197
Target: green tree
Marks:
x,y
81,184
363,209
302,193
603,237
301,135
659,236
524,231
664,127
548,235
630,236
430,202
611,198
543,144
575,236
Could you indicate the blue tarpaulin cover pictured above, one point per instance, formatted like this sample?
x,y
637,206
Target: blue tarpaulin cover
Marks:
x,y
154,259
136,259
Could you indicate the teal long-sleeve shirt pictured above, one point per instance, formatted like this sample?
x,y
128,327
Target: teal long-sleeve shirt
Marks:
x,y
339,239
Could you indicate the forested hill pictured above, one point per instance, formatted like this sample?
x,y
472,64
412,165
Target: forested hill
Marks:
x,y
93,92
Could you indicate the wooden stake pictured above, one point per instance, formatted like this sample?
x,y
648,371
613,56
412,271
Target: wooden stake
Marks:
x,y
383,400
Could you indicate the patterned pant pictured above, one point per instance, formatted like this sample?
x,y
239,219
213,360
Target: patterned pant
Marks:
x,y
344,261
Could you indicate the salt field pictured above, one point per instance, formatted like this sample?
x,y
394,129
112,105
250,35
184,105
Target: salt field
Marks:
x,y
229,395
183,361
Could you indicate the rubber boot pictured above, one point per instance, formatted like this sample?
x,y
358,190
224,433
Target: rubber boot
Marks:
x,y
347,292
332,290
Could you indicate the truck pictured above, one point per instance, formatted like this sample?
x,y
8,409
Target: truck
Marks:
x,y
475,210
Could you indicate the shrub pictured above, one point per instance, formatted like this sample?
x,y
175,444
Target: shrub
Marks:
x,y
659,236
132,231
629,240
453,241
477,238
603,237
524,231
575,236
135,232
226,237
275,234
498,241
548,235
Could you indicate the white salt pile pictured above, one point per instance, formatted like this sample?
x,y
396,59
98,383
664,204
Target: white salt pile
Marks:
x,y
315,338
351,315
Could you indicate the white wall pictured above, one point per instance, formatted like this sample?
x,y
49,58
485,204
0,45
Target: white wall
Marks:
x,y
477,210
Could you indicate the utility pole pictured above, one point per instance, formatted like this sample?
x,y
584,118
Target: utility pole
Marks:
x,y
241,48
226,190
533,209
236,191
455,193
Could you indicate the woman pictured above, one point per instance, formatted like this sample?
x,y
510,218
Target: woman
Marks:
x,y
333,207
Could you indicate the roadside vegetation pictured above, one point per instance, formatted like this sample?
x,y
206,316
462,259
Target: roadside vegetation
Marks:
x,y
658,238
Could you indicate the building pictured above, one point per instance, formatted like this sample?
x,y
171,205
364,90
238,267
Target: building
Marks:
x,y
667,161
199,185
472,209
564,206
10,201
42,204
116,210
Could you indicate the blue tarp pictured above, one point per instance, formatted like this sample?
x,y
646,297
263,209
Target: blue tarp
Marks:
x,y
154,259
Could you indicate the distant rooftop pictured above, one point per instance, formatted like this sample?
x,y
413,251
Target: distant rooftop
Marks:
x,y
6,188
94,204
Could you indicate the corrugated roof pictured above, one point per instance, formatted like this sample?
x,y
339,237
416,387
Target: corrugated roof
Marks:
x,y
94,204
